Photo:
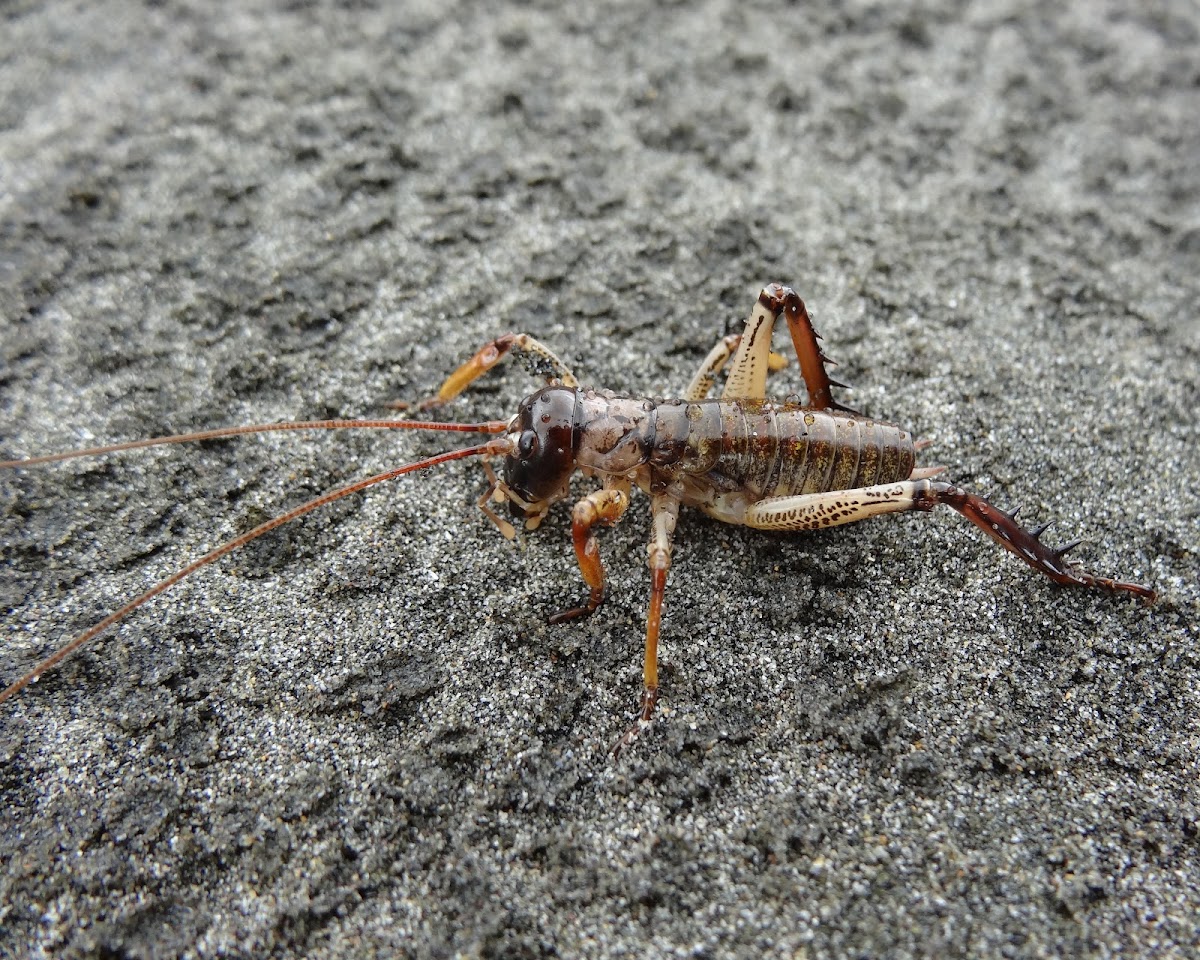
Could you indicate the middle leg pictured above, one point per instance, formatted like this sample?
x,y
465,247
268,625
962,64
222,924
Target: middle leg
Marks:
x,y
664,509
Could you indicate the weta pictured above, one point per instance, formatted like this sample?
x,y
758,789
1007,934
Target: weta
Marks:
x,y
742,459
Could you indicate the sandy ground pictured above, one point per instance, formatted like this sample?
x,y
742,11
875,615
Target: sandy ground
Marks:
x,y
360,736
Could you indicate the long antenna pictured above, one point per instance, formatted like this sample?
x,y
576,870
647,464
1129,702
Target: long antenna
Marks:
x,y
492,447
488,426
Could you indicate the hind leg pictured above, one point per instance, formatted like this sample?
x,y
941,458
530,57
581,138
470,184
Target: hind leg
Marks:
x,y
815,511
748,373
702,383
664,511
804,338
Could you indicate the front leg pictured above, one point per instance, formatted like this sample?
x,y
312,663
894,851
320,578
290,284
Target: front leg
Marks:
x,y
604,507
748,376
539,359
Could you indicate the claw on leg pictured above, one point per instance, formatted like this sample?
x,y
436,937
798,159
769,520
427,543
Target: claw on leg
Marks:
x,y
645,714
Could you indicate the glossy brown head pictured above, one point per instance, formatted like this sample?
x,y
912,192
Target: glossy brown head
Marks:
x,y
546,430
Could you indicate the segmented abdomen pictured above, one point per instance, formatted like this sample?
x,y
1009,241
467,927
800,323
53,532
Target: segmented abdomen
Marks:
x,y
763,449
776,450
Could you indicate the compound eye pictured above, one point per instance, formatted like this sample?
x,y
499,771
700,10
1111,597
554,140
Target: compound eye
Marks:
x,y
527,446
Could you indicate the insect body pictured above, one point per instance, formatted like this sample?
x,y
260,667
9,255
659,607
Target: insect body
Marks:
x,y
741,459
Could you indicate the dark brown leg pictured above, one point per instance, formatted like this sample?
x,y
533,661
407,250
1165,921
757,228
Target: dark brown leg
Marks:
x,y
778,298
1004,529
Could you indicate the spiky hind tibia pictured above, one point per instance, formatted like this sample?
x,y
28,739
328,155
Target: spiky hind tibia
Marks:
x,y
815,511
1004,529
